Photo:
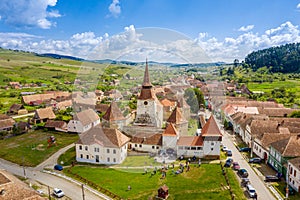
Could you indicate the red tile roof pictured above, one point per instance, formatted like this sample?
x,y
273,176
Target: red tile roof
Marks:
x,y
113,113
170,130
211,128
150,139
176,117
289,147
190,141
86,117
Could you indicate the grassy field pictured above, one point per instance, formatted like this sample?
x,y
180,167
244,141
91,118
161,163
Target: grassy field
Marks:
x,y
32,148
206,182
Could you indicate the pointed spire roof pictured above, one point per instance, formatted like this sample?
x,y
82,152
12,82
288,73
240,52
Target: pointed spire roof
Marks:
x,y
146,82
211,128
113,113
176,117
170,130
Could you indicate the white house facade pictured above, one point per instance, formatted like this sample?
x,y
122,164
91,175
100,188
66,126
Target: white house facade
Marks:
x,y
294,173
102,146
83,121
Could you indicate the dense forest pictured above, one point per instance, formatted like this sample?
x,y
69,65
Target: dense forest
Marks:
x,y
284,59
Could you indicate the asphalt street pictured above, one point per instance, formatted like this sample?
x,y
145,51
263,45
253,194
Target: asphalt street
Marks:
x,y
257,182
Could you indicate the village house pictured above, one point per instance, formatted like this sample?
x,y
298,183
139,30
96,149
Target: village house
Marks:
x,y
293,176
38,99
43,114
102,146
283,150
17,109
13,188
83,121
263,141
57,125
6,123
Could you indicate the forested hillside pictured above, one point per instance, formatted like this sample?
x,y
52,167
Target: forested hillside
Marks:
x,y
285,59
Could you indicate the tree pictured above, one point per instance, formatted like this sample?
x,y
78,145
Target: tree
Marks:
x,y
236,62
200,96
191,99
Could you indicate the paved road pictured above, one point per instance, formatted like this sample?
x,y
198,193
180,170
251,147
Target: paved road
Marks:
x,y
71,189
262,191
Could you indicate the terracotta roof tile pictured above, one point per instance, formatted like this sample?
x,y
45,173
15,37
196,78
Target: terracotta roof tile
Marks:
x,y
86,117
45,113
211,128
56,124
190,141
150,139
289,147
276,112
106,137
170,130
147,93
176,117
166,102
113,113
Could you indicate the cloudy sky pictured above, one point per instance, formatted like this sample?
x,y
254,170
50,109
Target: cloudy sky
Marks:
x,y
162,30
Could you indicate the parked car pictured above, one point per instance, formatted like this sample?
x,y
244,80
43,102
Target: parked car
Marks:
x,y
229,152
272,178
58,167
58,192
235,166
224,148
245,149
245,182
255,160
228,162
251,191
243,173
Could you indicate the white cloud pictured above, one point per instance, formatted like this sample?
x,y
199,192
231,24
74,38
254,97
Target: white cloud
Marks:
x,y
115,8
298,6
246,28
28,13
136,44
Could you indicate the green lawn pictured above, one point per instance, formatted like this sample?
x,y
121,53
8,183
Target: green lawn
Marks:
x,y
193,126
281,188
206,182
32,148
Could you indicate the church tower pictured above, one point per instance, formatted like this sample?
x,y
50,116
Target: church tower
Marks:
x,y
149,110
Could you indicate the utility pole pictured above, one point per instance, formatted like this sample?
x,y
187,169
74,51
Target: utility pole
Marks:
x,y
82,188
49,192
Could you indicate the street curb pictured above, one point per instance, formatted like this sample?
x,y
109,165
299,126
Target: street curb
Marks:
x,y
103,196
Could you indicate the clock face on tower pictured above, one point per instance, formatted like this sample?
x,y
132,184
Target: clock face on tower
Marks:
x,y
145,103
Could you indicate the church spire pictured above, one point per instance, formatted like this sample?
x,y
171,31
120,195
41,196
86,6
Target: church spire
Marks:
x,y
146,82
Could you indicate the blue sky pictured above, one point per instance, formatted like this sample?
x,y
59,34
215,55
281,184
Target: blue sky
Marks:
x,y
223,29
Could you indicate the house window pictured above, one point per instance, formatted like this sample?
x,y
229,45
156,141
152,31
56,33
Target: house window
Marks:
x,y
157,147
180,147
108,159
86,148
80,147
295,173
135,145
107,150
114,151
153,147
212,144
87,157
140,145
81,156
187,148
291,170
211,149
193,148
115,160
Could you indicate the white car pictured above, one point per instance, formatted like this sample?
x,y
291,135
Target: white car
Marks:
x,y
58,192
251,191
224,148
